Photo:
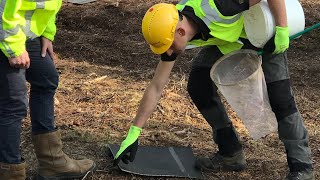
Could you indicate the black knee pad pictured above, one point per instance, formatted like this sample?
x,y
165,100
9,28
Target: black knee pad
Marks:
x,y
281,98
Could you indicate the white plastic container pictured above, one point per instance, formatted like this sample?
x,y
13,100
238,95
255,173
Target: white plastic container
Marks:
x,y
260,24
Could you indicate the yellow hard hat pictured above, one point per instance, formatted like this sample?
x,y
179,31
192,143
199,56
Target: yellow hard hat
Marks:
x,y
159,25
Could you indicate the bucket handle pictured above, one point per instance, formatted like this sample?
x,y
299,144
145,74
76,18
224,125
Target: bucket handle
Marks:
x,y
298,34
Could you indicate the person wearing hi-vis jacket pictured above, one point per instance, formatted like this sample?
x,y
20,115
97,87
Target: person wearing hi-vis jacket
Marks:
x,y
27,29
218,26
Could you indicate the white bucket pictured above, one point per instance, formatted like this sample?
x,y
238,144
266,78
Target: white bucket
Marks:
x,y
260,24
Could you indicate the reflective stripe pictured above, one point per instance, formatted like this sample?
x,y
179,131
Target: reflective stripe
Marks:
x,y
3,2
40,5
27,29
191,46
182,2
8,49
6,33
212,15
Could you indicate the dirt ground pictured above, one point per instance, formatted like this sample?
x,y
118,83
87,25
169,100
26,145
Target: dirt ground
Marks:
x,y
105,65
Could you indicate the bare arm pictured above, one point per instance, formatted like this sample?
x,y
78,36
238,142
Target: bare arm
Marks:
x,y
278,9
153,93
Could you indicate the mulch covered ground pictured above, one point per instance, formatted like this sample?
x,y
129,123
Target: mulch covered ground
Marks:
x,y
105,66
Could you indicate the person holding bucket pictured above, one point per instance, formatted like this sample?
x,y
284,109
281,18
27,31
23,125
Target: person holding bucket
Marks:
x,y
27,29
218,27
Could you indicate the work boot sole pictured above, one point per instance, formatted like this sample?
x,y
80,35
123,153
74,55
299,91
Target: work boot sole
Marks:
x,y
228,168
65,176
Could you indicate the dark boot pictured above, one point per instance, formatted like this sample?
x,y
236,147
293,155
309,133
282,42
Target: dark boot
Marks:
x,y
237,162
53,162
301,175
12,171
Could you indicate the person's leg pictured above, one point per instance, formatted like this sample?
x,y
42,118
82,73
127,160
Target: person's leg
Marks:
x,y
43,78
204,94
291,129
13,108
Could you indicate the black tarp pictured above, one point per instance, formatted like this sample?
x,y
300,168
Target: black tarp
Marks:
x,y
161,161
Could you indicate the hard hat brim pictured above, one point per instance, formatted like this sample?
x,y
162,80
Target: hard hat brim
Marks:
x,y
160,50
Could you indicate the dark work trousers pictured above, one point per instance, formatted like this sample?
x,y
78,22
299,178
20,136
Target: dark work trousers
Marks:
x,y
291,129
43,79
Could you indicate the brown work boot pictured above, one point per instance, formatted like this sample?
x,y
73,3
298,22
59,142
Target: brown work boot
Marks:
x,y
301,175
12,171
237,162
54,163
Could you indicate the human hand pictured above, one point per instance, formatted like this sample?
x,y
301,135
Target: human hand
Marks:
x,y
280,42
129,145
47,47
22,61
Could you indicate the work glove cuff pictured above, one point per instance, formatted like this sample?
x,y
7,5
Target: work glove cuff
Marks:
x,y
134,132
285,30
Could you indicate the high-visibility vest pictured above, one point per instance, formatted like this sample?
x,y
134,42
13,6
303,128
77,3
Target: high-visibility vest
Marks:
x,y
26,19
225,30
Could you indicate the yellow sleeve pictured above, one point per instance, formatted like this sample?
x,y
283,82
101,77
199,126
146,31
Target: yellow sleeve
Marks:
x,y
12,38
51,28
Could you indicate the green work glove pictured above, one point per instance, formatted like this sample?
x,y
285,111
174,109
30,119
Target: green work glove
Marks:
x,y
129,145
280,42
